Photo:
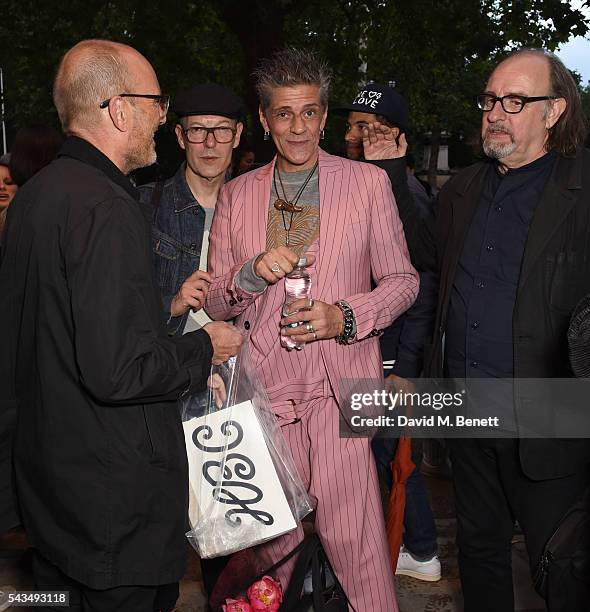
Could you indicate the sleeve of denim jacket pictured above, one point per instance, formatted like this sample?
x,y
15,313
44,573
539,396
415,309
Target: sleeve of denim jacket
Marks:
x,y
174,325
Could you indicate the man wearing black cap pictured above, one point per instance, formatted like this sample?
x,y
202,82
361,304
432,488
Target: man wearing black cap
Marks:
x,y
376,122
375,132
208,130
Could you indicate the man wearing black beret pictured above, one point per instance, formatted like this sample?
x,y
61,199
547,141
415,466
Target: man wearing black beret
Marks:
x,y
208,130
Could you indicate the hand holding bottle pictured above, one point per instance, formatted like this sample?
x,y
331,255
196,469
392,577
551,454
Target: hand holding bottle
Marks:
x,y
319,321
276,263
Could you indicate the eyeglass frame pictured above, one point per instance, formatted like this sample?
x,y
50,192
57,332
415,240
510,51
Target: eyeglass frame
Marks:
x,y
210,130
161,98
525,100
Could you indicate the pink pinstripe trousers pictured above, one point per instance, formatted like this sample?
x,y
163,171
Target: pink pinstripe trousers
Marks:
x,y
340,473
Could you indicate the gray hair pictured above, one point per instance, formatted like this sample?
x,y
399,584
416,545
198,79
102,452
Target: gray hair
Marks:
x,y
5,160
90,72
289,67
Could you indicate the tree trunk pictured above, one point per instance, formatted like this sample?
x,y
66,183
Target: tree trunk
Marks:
x,y
433,160
259,28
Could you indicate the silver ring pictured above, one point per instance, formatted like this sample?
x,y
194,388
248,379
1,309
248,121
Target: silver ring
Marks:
x,y
311,303
276,268
309,328
315,336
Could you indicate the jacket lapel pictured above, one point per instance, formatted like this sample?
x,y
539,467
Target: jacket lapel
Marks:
x,y
334,181
333,185
559,196
256,210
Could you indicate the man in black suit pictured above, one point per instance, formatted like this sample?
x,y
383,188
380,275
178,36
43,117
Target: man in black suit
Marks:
x,y
514,250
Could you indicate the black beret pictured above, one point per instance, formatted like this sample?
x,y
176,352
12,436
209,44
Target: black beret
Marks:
x,y
209,99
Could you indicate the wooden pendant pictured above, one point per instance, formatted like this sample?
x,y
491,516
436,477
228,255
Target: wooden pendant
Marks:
x,y
280,204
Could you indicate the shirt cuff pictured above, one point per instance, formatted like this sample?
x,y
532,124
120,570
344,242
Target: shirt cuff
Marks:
x,y
248,280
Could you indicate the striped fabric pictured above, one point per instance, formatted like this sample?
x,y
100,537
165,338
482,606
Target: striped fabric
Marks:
x,y
341,474
361,237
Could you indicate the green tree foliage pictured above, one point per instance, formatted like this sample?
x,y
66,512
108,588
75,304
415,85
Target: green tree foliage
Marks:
x,y
187,42
439,53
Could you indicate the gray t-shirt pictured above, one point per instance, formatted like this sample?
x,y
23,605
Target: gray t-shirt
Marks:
x,y
297,231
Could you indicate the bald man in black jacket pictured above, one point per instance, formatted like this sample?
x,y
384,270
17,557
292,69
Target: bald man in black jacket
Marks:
x,y
99,456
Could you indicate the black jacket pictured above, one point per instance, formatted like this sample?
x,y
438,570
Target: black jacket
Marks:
x,y
100,463
555,274
404,340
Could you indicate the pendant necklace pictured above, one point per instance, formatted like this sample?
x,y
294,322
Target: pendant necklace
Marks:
x,y
290,206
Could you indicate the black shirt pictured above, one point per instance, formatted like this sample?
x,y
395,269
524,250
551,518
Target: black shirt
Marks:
x,y
478,339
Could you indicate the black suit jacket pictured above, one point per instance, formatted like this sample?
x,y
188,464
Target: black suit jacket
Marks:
x,y
555,274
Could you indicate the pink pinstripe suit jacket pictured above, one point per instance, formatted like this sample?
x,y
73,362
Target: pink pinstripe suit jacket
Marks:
x,y
360,235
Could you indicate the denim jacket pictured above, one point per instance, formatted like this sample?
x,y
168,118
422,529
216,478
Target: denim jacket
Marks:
x,y
177,236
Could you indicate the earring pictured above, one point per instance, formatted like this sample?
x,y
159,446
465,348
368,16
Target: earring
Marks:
x,y
322,135
266,135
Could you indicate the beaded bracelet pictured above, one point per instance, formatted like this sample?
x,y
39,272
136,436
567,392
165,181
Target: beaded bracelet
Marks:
x,y
349,323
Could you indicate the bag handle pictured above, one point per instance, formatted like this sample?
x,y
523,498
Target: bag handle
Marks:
x,y
308,547
308,555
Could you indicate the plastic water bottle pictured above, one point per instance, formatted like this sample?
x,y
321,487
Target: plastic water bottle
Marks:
x,y
297,287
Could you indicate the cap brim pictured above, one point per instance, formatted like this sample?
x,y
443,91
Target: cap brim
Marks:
x,y
344,109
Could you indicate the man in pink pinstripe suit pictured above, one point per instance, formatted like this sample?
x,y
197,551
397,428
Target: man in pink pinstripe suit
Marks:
x,y
341,214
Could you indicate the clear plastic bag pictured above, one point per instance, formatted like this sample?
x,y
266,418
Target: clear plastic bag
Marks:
x,y
243,485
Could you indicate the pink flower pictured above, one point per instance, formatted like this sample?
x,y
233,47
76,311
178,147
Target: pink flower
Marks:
x,y
236,605
265,595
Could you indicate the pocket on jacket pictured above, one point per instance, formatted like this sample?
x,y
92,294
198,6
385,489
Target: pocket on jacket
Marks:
x,y
155,428
166,257
562,272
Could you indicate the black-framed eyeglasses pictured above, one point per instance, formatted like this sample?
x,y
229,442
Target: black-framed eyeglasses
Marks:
x,y
511,103
162,100
198,134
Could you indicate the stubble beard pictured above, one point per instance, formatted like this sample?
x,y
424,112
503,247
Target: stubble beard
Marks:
x,y
497,150
142,154
142,150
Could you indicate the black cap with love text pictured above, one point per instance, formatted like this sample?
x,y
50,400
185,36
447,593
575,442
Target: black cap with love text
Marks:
x,y
381,100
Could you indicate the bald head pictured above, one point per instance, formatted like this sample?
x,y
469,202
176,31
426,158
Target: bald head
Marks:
x,y
90,72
